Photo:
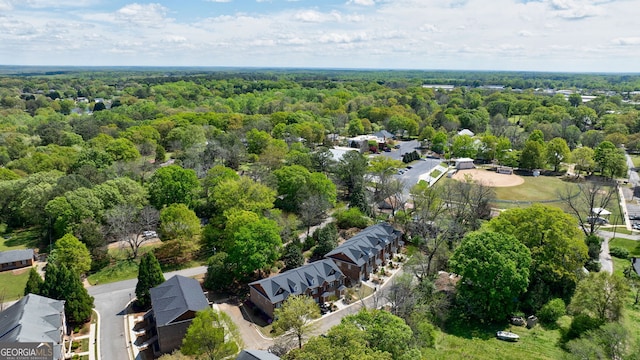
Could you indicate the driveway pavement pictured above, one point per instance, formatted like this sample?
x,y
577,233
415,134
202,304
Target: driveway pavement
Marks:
x,y
423,166
110,302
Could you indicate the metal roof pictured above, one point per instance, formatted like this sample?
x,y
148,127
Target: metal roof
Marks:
x,y
297,281
34,318
15,255
176,296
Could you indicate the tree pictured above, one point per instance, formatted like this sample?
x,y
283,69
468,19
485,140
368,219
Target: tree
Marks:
x,y
558,251
326,238
313,210
34,282
607,342
127,224
439,142
600,295
382,169
557,151
495,271
532,155
295,316
211,334
173,184
257,141
161,154
242,193
60,283
383,331
463,147
582,157
350,171
344,341
468,201
253,242
149,276
296,183
70,251
581,202
610,160
293,256
177,221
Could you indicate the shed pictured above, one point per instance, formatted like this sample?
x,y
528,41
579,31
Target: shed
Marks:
x,y
466,132
464,163
600,212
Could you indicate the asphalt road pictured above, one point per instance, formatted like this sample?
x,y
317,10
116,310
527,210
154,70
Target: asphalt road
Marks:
x,y
634,179
411,176
111,301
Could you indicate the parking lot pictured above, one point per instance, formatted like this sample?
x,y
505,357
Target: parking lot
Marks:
x,y
411,176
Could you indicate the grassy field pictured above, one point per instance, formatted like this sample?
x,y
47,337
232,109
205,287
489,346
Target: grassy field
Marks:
x,y
12,283
636,160
121,268
534,189
20,239
481,343
631,245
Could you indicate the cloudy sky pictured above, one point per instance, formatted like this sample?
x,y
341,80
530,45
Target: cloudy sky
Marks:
x,y
540,35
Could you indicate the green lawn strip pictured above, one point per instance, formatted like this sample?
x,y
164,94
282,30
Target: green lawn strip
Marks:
x,y
434,173
619,230
121,270
20,239
632,246
481,343
636,160
12,285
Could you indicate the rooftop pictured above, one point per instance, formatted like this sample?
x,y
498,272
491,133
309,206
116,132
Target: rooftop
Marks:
x,y
176,296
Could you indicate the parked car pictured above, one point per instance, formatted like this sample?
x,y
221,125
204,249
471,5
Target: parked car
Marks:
x,y
150,234
636,226
597,220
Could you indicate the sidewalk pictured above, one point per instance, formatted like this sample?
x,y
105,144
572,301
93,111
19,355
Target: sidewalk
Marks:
x,y
94,347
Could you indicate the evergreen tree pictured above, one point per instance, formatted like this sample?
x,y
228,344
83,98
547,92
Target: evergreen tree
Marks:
x,y
34,283
60,283
149,275
293,256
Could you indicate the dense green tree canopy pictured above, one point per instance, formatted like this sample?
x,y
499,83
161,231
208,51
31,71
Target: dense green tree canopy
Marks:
x,y
70,251
558,250
495,271
173,184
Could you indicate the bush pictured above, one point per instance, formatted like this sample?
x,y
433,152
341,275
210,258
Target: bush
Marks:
x,y
619,252
581,323
351,218
552,311
594,244
593,266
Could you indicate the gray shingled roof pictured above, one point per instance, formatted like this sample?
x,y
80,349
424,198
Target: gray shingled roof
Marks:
x,y
15,255
297,281
256,355
34,318
176,296
367,243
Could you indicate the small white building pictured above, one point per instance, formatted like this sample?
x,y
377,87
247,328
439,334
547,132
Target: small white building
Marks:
x,y
464,163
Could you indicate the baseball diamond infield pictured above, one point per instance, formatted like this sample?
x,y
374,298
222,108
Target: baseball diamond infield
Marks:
x,y
489,177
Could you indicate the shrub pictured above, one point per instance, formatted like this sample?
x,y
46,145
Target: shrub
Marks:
x,y
619,252
593,266
581,323
350,218
594,244
552,311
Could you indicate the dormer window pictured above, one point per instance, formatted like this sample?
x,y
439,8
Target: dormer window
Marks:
x,y
280,291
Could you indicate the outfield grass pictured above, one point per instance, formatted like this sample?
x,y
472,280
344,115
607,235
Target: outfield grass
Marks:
x,y
12,283
534,189
631,245
20,239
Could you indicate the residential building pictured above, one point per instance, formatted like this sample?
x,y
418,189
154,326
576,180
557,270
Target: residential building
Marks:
x,y
320,280
174,304
35,319
15,259
364,253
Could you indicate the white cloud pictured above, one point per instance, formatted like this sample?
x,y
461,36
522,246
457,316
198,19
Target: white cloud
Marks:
x,y
429,28
362,2
142,15
627,41
525,33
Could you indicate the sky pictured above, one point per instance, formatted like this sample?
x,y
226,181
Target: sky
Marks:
x,y
528,35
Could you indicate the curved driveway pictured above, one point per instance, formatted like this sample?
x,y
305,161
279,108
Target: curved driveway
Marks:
x,y
111,301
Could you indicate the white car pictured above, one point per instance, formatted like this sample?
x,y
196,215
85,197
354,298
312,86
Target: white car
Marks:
x,y
150,234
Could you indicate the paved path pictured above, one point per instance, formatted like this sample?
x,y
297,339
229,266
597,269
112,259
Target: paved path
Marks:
x,y
110,302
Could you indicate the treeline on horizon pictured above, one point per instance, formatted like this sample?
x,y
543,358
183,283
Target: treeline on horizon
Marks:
x,y
619,82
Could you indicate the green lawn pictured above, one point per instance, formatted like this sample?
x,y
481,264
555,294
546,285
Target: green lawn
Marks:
x,y
20,239
631,245
481,343
120,270
534,189
12,283
636,160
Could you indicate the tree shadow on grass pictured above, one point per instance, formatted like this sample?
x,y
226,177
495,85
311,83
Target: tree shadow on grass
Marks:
x,y
467,328
29,238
